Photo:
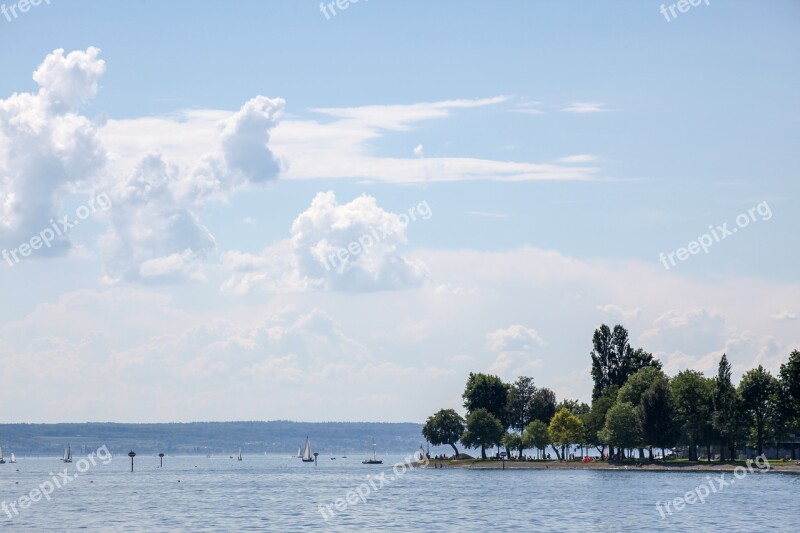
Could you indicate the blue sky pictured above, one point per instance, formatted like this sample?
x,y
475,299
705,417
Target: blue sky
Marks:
x,y
560,147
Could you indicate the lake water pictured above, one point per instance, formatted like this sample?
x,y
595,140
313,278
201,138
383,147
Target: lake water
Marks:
x,y
283,494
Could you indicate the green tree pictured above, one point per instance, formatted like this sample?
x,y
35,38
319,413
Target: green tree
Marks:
x,y
520,402
757,390
639,383
565,429
622,427
483,431
727,417
544,405
790,383
444,427
614,360
485,391
596,418
513,441
657,417
692,397
575,407
536,435
634,389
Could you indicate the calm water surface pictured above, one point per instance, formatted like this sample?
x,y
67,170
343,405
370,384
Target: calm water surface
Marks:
x,y
275,493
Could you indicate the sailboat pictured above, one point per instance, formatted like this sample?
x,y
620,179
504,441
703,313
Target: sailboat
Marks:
x,y
2,461
13,458
299,452
374,460
67,455
307,458
239,457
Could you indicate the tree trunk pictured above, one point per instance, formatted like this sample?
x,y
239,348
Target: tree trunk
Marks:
x,y
708,453
555,449
651,458
483,452
760,430
454,449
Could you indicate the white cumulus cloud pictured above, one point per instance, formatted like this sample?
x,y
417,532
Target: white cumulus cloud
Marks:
x,y
343,247
46,147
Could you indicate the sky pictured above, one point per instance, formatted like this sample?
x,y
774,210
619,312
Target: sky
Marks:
x,y
269,210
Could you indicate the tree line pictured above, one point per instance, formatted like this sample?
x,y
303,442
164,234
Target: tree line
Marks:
x,y
635,407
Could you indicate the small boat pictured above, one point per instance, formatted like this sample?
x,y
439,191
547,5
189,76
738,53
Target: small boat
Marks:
x,y
307,455
239,457
299,452
374,460
2,461
67,455
13,458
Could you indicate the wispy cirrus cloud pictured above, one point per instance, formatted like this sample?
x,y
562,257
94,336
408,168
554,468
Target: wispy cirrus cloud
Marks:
x,y
578,158
340,146
585,107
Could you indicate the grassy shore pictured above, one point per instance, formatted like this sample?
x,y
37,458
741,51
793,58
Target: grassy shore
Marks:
x,y
658,466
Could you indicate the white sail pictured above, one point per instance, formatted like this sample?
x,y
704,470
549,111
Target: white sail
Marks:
x,y
1,453
307,451
299,452
13,458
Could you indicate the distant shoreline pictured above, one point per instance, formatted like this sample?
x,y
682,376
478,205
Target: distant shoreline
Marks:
x,y
788,468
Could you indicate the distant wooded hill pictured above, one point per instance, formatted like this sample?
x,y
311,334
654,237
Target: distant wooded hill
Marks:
x,y
328,438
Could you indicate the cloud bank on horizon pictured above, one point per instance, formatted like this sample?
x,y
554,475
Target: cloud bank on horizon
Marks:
x,y
333,262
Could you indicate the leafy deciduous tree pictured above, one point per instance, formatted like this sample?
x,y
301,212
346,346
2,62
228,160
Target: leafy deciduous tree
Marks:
x,y
544,405
622,426
758,392
657,417
485,391
483,431
565,429
691,395
614,360
727,416
444,427
536,435
520,402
